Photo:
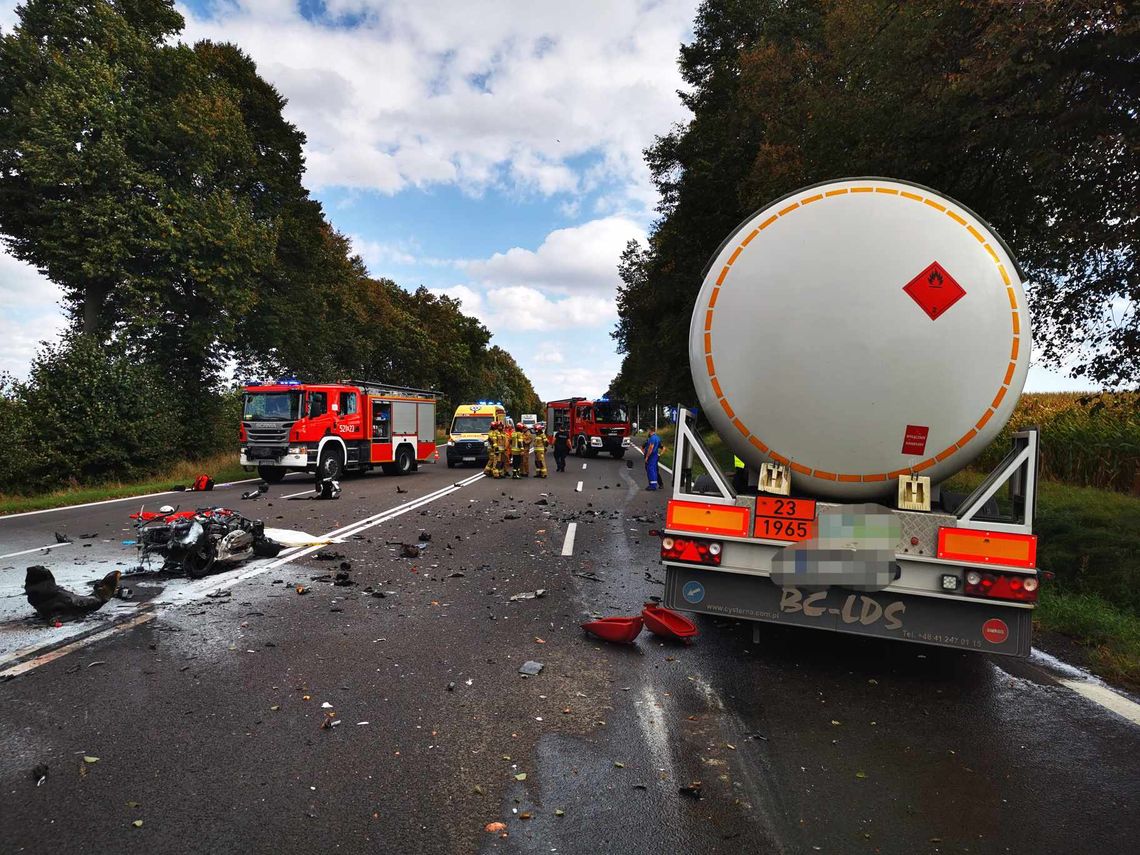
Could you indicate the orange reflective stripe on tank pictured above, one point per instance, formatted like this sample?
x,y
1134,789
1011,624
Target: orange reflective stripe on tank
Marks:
x,y
846,478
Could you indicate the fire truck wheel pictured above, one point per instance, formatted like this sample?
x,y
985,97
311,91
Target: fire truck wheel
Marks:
x,y
271,474
405,463
331,465
618,455
580,447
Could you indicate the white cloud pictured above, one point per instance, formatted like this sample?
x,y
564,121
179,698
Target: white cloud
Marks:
x,y
478,94
552,357
29,313
578,260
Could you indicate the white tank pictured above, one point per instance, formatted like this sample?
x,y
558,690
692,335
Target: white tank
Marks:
x,y
859,330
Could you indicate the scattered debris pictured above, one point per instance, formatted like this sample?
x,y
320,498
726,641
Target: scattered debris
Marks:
x,y
542,502
456,575
521,776
54,603
530,668
138,823
620,630
400,489
39,774
512,514
593,577
409,550
425,537
328,555
529,595
451,687
329,489
693,791
62,538
666,623
495,827
302,589
88,759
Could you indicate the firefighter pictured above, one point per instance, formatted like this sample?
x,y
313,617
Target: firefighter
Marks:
x,y
539,454
499,452
504,450
492,452
518,451
527,442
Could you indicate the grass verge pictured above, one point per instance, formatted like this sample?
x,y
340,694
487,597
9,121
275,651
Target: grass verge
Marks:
x,y
221,467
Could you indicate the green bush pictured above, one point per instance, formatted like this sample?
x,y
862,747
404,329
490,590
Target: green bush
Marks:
x,y
86,415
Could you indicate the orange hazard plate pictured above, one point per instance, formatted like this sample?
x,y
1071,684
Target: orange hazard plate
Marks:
x,y
789,520
705,518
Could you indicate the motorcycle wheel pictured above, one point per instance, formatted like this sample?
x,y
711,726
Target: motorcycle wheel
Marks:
x,y
197,564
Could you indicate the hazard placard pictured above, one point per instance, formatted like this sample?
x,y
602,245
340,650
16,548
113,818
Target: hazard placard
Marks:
x,y
914,439
935,290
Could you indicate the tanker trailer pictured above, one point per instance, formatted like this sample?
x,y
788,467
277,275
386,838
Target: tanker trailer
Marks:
x,y
856,343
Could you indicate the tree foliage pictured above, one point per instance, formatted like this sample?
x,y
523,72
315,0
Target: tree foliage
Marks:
x,y
161,186
1024,111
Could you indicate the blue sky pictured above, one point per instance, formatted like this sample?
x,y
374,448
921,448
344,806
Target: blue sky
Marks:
x,y
488,150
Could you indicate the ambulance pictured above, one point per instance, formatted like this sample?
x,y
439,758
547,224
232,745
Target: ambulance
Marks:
x,y
467,441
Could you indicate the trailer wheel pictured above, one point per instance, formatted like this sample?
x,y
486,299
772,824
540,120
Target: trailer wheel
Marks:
x,y
331,465
272,474
404,461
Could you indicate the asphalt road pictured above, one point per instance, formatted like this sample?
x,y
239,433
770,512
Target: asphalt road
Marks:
x,y
206,718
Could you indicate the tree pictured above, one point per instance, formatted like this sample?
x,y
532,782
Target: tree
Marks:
x,y
1024,111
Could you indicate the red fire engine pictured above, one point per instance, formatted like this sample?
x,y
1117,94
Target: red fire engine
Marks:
x,y
330,428
594,426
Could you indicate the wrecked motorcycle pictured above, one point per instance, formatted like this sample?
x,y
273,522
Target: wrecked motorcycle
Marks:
x,y
197,542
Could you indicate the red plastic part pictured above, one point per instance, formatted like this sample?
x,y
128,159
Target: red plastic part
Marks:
x,y
621,630
667,623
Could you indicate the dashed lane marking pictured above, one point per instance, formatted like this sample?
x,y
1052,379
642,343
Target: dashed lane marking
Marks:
x,y
578,489
568,543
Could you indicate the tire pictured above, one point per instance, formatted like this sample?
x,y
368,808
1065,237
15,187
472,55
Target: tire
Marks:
x,y
331,465
415,465
580,447
198,564
451,464
388,468
591,452
618,455
405,462
272,474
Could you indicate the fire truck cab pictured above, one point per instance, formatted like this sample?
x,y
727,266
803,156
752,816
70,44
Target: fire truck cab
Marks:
x,y
594,426
331,428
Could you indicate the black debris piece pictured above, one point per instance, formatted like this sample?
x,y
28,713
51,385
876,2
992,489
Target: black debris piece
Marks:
x,y
62,538
52,602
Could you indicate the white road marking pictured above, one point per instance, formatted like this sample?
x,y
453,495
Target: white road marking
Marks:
x,y
37,549
578,489
583,465
60,652
1105,697
210,583
302,493
568,543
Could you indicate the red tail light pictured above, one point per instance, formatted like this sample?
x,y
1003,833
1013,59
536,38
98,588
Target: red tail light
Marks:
x,y
1002,586
691,549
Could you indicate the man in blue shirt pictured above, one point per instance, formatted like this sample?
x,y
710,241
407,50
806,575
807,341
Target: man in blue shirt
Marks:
x,y
652,452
